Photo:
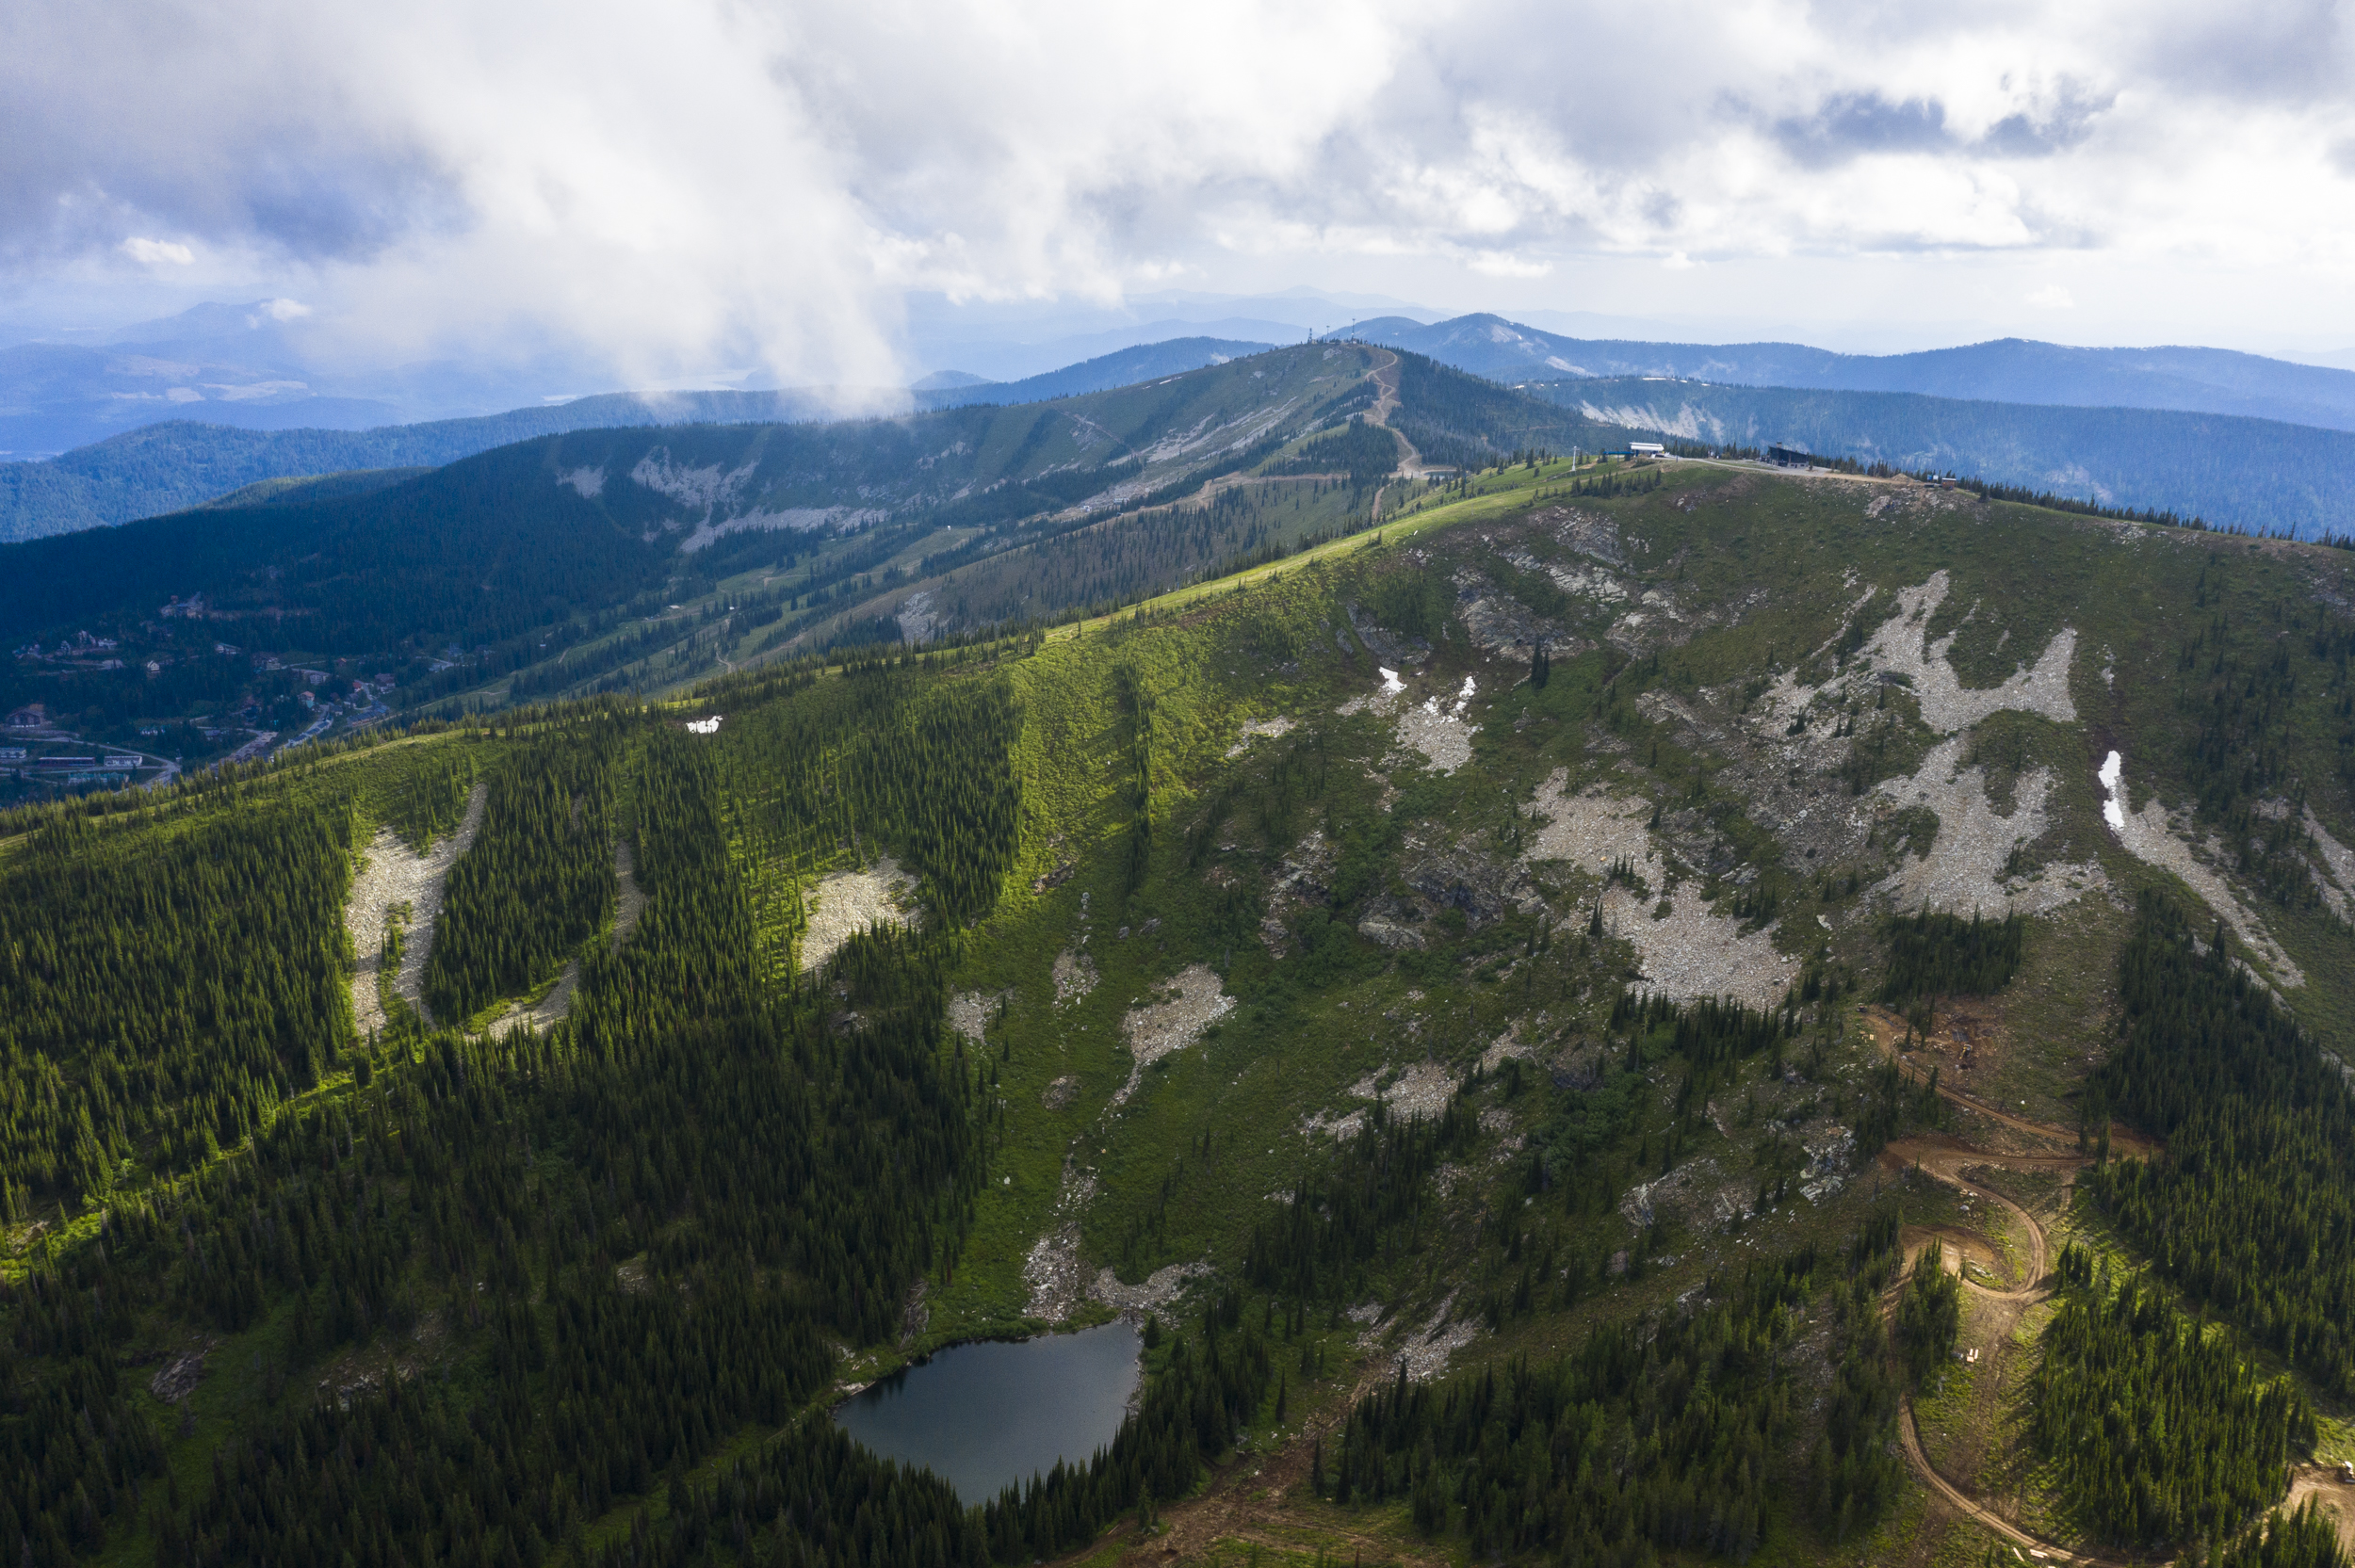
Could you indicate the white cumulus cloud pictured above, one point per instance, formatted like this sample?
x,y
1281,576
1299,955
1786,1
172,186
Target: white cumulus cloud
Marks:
x,y
148,252
755,182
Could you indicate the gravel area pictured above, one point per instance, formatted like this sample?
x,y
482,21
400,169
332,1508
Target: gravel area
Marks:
x,y
1057,1281
1687,954
2340,861
1902,645
1444,739
1508,1046
1691,953
969,1013
1696,1193
1422,1091
1160,1029
550,1010
393,877
1299,879
1075,976
1256,728
1158,1293
178,1377
1383,700
1425,1351
2156,837
1590,831
848,902
632,901
1963,873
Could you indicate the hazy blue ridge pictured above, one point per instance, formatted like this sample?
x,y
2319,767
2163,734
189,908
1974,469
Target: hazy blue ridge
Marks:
x,y
1124,367
170,466
166,467
2257,473
2011,370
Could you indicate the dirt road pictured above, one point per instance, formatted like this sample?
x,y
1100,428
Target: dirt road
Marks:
x,y
1888,1029
1944,1157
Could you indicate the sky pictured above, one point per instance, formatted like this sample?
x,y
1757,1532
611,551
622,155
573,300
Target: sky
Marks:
x,y
746,183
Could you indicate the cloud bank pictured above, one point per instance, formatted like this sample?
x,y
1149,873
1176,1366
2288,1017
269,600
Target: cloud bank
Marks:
x,y
754,184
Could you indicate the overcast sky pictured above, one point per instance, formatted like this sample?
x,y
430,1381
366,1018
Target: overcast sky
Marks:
x,y
697,183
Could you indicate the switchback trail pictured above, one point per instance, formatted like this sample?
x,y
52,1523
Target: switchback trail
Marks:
x,y
1944,1158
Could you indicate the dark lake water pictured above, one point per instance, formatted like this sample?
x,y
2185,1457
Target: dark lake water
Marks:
x,y
983,1416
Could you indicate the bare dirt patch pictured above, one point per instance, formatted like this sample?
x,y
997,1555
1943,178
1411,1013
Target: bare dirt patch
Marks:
x,y
849,902
392,879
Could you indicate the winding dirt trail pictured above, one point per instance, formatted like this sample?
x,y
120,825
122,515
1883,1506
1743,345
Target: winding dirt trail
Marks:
x,y
1888,1030
1384,377
1944,1157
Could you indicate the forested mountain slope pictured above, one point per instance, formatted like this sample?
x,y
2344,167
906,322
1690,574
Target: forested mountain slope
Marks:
x,y
164,467
2251,473
640,557
1528,1004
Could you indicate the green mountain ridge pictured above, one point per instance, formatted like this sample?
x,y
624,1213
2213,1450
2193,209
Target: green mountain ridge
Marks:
x,y
1525,1002
161,468
640,557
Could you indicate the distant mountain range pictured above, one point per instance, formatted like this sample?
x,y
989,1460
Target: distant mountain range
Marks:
x,y
164,467
2235,438
2013,370
2256,472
